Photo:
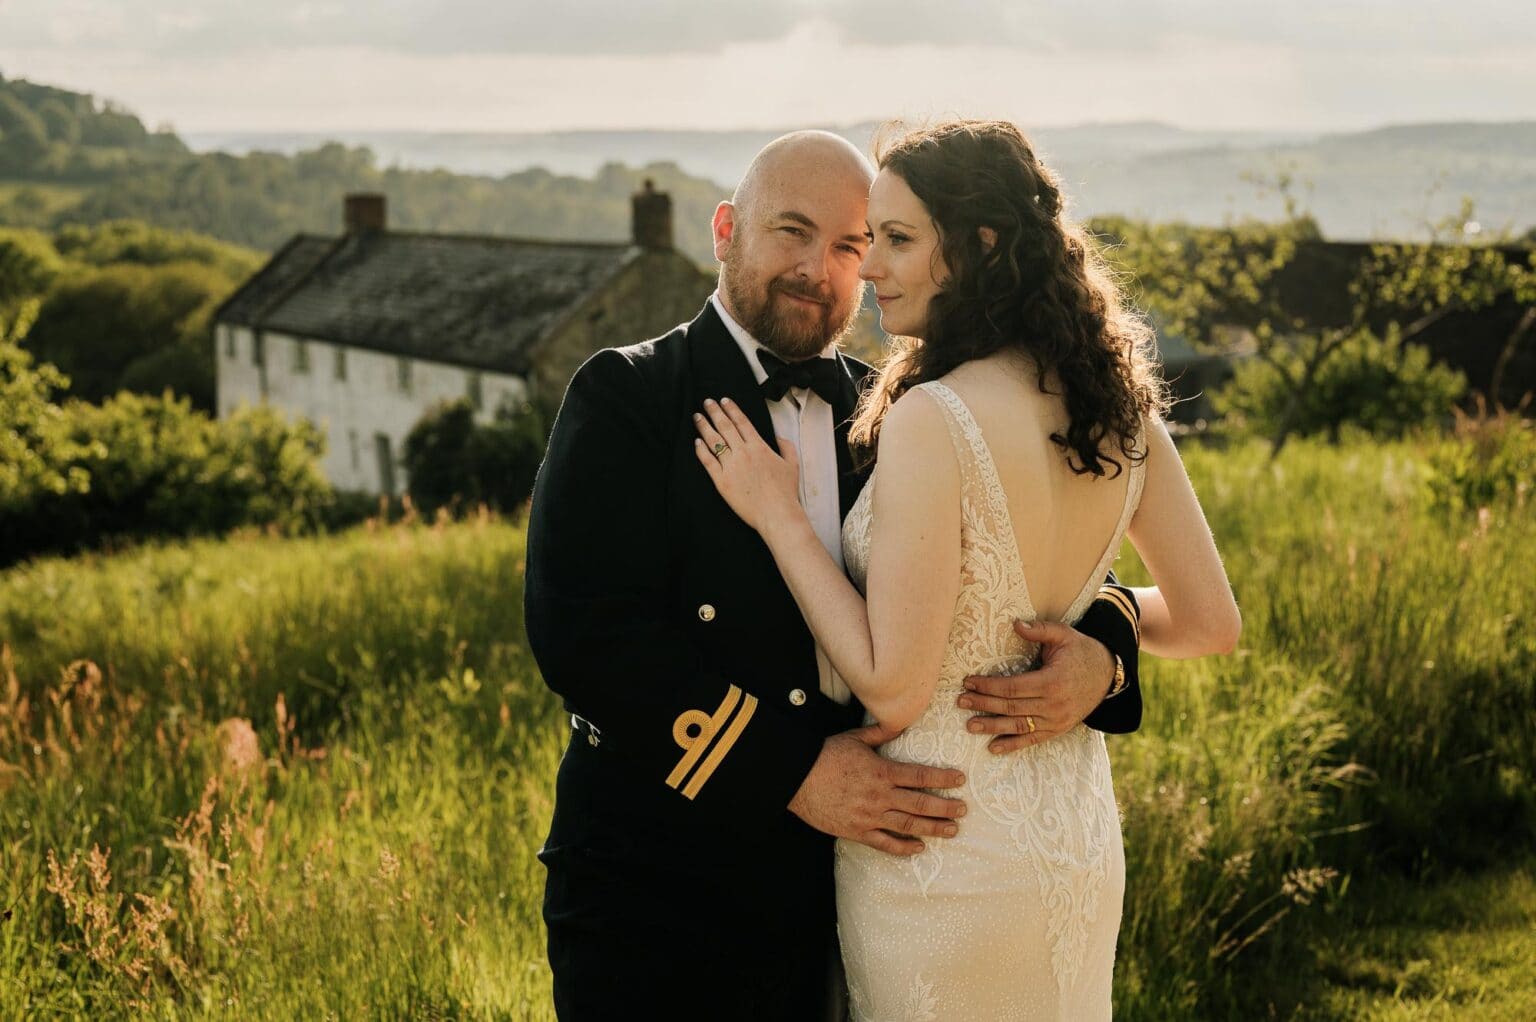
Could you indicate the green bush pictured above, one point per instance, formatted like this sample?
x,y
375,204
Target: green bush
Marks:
x,y
154,466
450,459
436,455
1378,384
1489,462
98,325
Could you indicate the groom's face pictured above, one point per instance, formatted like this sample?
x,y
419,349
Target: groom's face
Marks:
x,y
789,262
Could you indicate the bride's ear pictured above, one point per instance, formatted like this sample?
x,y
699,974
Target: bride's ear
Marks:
x,y
988,238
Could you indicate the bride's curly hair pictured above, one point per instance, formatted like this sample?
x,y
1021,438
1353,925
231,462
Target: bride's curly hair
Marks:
x,y
1042,288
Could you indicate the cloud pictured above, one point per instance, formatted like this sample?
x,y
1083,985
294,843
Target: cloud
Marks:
x,y
666,27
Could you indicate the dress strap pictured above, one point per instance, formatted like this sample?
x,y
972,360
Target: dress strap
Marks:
x,y
983,499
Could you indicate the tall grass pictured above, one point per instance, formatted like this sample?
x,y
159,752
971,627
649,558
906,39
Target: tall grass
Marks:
x,y
267,778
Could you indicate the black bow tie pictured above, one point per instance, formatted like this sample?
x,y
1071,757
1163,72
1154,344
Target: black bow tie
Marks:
x,y
822,375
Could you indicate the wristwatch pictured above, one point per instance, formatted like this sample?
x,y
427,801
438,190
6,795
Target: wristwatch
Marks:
x,y
1117,684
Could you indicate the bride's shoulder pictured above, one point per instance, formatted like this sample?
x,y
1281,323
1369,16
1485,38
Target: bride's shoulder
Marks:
x,y
914,422
918,464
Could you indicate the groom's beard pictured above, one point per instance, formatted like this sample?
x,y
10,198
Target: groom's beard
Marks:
x,y
789,330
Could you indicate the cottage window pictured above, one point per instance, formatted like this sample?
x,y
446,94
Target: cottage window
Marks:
x,y
341,366
357,454
403,374
258,348
386,462
300,356
231,345
473,389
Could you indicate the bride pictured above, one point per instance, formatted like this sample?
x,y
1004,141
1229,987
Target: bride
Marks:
x,y
1020,440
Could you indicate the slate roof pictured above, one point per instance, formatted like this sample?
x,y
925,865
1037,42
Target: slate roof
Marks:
x,y
477,301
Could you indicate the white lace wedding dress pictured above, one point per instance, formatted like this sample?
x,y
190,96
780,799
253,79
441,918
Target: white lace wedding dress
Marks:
x,y
1016,917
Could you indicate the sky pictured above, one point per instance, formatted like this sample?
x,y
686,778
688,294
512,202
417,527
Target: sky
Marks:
x,y
513,65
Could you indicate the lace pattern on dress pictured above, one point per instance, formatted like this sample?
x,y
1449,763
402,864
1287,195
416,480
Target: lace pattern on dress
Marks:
x,y
1054,801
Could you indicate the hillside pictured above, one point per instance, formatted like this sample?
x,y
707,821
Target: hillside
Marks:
x,y
66,157
1374,184
55,173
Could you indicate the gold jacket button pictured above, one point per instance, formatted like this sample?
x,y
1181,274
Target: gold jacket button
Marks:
x,y
706,612
797,697
591,739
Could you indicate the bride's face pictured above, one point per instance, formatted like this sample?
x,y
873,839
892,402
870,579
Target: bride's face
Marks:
x,y
904,262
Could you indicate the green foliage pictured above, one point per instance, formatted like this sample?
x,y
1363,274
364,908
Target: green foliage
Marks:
x,y
155,467
61,122
111,327
132,241
436,454
23,136
1224,290
1378,384
28,267
36,454
35,205
451,459
1489,463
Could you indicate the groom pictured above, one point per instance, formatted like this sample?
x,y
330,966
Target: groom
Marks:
x,y
713,755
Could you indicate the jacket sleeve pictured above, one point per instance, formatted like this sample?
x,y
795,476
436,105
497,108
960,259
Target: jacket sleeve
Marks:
x,y
1114,618
598,613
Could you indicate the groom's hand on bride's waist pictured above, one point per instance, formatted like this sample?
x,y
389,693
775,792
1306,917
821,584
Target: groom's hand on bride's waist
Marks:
x,y
1074,674
851,792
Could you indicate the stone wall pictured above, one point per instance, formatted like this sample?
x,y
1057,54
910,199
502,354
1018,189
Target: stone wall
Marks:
x,y
650,296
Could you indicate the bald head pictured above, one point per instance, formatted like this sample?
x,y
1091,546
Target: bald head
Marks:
x,y
790,242
791,165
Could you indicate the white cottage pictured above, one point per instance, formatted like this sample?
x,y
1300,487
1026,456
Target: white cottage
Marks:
x,y
364,332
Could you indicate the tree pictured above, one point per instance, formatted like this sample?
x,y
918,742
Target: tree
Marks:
x,y
133,241
60,121
98,324
23,137
1203,283
28,267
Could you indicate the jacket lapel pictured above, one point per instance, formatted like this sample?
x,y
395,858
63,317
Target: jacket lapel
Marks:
x,y
720,371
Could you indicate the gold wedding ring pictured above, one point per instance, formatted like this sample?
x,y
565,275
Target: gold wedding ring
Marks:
x,y
720,448
1031,722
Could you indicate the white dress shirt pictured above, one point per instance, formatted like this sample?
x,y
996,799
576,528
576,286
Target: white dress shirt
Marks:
x,y
805,420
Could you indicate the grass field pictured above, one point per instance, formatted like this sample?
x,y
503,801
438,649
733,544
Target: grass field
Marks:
x,y
274,779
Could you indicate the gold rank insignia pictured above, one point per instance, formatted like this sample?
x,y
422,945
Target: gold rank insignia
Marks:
x,y
696,731
1122,603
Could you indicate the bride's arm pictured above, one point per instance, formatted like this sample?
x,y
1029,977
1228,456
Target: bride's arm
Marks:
x,y
1189,611
889,650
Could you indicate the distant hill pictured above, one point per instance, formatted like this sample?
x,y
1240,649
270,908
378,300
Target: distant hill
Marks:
x,y
1388,182
49,132
66,157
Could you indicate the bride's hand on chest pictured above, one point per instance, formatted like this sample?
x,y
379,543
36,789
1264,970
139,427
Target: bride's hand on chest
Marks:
x,y
762,486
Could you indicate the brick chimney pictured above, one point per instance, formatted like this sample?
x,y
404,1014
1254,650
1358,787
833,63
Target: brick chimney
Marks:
x,y
652,217
363,211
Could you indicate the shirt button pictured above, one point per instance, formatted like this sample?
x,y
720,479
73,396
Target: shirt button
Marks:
x,y
706,612
797,697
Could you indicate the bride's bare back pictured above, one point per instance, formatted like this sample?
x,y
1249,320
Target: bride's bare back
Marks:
x,y
1062,520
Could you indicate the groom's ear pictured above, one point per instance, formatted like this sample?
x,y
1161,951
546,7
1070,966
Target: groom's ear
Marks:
x,y
724,227
988,238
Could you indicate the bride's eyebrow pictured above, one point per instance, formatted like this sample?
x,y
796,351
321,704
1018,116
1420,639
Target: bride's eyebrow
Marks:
x,y
886,225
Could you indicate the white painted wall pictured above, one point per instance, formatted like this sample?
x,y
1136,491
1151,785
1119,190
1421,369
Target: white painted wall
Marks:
x,y
351,411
